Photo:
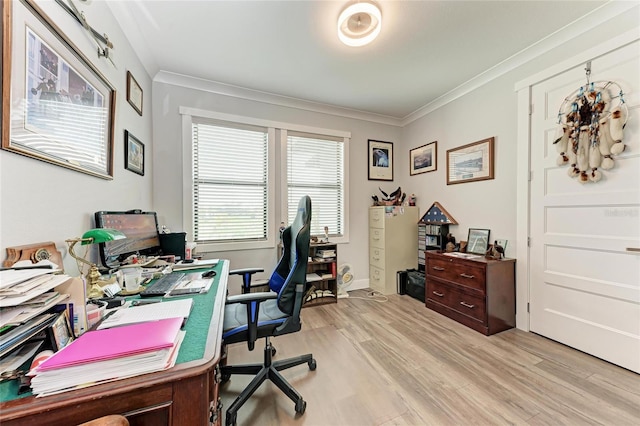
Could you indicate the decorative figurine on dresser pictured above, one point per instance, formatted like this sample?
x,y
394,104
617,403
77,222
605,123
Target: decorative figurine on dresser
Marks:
x,y
473,290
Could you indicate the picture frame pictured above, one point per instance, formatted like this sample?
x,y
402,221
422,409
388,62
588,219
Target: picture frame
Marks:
x,y
56,105
60,332
133,153
134,93
471,162
423,159
380,162
478,241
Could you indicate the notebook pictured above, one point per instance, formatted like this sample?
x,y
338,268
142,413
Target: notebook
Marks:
x,y
155,311
101,345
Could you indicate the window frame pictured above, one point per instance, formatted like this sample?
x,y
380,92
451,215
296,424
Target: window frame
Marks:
x,y
277,205
284,184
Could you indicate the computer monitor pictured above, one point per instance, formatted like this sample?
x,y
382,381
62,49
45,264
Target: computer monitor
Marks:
x,y
141,229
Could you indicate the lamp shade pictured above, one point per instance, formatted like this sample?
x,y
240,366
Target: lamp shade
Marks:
x,y
101,235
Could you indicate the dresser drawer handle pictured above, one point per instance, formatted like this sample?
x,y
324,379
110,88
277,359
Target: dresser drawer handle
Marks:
x,y
376,258
467,276
437,268
438,294
467,305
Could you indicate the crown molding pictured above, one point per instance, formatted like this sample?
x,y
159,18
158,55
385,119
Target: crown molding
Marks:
x,y
587,22
268,98
568,32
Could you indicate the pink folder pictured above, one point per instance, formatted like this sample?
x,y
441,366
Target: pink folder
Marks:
x,y
115,342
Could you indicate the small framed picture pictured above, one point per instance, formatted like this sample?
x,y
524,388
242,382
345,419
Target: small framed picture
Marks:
x,y
60,332
478,241
133,153
380,160
423,159
134,93
470,162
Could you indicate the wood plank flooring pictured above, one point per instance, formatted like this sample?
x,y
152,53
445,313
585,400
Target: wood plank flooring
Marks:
x,y
399,363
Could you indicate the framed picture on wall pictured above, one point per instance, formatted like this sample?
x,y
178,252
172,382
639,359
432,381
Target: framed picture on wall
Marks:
x,y
133,153
134,93
57,106
470,162
380,160
423,159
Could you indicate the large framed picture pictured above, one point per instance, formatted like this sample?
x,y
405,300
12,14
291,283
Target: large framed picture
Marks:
x,y
423,159
56,106
470,162
134,93
478,241
380,160
133,153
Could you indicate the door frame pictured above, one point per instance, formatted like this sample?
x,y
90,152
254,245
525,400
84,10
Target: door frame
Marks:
x,y
524,173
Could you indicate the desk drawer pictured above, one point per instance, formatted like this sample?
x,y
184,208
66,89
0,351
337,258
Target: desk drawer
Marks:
x,y
467,304
376,237
460,273
376,257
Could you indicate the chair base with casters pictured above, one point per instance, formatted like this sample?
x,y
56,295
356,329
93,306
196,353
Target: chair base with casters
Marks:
x,y
269,370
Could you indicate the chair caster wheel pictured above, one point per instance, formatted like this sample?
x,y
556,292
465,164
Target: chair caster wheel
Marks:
x,y
301,406
312,365
225,377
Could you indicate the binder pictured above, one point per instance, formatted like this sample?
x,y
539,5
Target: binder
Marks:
x,y
112,343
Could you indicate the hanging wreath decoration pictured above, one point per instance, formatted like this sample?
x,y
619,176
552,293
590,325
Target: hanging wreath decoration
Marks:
x,y
592,120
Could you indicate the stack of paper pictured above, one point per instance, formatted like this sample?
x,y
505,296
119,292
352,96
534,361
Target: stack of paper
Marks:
x,y
111,354
18,287
155,311
196,264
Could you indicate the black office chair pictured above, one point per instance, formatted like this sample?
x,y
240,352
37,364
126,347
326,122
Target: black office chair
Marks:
x,y
251,316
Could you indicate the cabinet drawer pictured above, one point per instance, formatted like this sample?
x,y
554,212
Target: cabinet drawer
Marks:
x,y
376,257
376,278
460,273
376,237
467,304
376,218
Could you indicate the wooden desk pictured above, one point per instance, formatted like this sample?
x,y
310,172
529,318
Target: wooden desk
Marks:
x,y
181,395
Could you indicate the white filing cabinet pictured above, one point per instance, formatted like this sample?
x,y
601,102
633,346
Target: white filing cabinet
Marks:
x,y
393,245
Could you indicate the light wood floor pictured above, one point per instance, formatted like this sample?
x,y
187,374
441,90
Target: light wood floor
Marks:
x,y
399,363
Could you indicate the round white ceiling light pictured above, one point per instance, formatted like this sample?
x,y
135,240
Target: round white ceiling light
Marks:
x,y
359,24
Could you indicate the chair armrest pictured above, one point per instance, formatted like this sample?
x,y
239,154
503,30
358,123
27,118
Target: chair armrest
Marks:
x,y
251,297
245,271
247,274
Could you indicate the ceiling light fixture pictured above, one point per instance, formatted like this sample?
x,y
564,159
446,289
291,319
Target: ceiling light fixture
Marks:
x,y
359,24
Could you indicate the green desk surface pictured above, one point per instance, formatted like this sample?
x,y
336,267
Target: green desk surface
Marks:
x,y
194,343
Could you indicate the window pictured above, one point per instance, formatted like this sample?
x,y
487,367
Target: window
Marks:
x,y
239,184
230,183
315,166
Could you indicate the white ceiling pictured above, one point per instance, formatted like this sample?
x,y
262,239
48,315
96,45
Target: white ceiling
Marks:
x,y
290,48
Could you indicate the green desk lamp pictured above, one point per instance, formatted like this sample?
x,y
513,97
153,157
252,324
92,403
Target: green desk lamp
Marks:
x,y
93,236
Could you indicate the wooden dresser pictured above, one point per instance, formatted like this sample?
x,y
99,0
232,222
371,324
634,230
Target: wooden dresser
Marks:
x,y
393,245
476,292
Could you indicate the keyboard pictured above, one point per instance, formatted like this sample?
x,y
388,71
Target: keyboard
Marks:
x,y
163,285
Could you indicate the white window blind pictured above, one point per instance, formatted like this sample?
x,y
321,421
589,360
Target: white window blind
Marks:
x,y
229,182
315,167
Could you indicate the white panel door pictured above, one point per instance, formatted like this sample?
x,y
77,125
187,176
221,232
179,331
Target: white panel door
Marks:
x,y
584,279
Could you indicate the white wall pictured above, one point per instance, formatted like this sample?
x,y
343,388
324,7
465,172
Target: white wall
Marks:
x,y
488,111
168,161
42,202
